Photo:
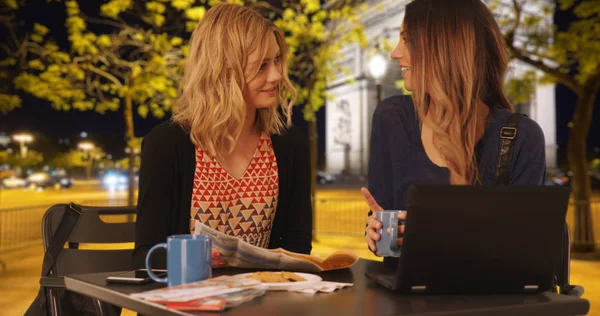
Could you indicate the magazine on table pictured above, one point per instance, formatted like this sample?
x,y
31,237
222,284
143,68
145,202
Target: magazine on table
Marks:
x,y
240,254
217,294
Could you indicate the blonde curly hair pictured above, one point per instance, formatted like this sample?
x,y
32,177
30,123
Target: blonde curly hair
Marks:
x,y
211,104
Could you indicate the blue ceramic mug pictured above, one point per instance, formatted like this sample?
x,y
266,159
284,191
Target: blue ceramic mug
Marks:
x,y
188,259
387,245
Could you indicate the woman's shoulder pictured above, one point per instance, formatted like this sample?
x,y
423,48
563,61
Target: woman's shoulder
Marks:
x,y
396,114
398,104
289,142
528,130
397,110
292,142
167,132
292,134
167,129
531,130
530,143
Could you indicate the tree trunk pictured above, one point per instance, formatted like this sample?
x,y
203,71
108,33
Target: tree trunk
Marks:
x,y
130,136
583,235
88,169
313,147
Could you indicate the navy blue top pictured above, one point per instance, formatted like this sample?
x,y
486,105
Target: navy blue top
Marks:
x,y
398,159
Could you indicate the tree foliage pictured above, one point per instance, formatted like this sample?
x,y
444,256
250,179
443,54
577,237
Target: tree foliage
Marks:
x,y
570,57
32,159
110,61
76,158
11,54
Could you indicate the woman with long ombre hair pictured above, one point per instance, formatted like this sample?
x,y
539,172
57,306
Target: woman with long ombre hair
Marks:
x,y
453,60
228,157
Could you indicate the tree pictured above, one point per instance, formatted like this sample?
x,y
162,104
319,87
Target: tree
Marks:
x,y
32,159
137,149
568,57
78,159
595,166
69,160
126,59
315,35
11,53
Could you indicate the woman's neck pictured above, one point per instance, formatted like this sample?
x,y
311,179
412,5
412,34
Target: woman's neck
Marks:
x,y
249,130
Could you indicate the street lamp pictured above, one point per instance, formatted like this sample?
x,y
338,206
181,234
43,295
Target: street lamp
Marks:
x,y
86,146
377,69
4,140
23,139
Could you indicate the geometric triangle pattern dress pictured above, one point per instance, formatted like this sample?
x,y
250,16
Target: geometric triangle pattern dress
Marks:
x,y
245,207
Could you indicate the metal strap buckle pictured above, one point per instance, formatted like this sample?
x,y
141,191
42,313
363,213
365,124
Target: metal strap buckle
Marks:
x,y
74,208
508,133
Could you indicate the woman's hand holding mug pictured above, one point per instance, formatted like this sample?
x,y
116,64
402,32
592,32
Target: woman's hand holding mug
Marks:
x,y
373,224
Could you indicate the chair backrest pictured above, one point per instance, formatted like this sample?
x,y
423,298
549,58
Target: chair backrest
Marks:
x,y
90,228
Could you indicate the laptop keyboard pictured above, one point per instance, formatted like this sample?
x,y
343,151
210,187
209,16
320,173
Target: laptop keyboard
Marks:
x,y
386,279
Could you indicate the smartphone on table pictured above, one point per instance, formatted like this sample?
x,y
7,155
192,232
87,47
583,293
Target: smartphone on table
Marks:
x,y
135,277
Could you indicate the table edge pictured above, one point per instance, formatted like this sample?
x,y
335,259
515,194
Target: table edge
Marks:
x,y
116,298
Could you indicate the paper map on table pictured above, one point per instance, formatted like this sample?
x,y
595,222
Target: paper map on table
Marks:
x,y
240,254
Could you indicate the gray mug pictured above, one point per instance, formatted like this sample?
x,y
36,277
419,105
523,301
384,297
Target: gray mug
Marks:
x,y
387,245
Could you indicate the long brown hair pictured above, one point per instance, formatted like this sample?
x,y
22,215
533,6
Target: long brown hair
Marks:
x,y
458,63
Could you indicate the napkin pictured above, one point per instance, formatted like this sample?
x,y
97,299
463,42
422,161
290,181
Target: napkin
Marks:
x,y
322,286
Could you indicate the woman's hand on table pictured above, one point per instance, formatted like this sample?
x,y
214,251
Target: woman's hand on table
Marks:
x,y
216,262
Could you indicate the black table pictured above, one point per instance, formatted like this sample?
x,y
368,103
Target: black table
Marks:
x,y
364,298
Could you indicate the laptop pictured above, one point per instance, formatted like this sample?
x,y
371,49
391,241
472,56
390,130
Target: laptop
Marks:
x,y
478,239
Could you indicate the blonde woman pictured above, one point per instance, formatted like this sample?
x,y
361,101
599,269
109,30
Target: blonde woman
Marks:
x,y
228,157
453,60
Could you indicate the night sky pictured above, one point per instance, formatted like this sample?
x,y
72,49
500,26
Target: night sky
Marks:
x,y
108,131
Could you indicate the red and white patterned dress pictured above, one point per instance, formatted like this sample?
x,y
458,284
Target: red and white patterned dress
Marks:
x,y
243,207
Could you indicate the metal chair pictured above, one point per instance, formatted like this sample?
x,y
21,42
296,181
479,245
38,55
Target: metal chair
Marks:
x,y
89,229
563,270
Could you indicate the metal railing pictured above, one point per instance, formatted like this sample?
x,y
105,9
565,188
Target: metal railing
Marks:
x,y
347,217
340,217
21,227
583,221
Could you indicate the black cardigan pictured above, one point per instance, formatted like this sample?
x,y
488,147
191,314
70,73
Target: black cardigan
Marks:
x,y
166,183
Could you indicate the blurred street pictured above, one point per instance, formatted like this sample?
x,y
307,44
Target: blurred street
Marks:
x,y
81,191
94,190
